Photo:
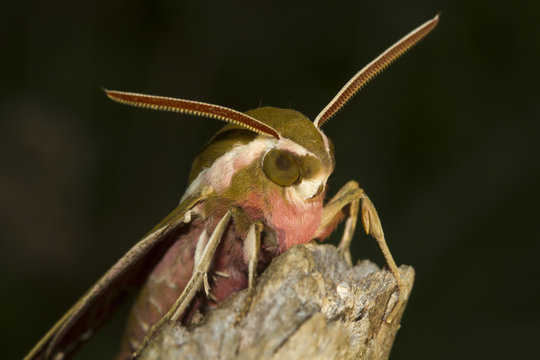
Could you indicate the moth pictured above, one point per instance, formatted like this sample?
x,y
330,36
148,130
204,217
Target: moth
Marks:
x,y
256,189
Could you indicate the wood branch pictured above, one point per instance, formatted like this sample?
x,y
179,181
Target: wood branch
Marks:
x,y
308,304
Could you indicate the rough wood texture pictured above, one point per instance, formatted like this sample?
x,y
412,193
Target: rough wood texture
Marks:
x,y
308,304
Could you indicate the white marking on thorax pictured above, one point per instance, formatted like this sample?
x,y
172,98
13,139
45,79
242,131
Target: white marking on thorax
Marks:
x,y
222,171
195,184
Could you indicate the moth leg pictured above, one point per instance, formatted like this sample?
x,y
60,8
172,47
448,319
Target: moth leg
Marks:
x,y
196,283
252,247
333,213
351,194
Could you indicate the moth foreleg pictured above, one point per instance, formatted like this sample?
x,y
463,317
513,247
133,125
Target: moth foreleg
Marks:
x,y
196,282
353,196
252,247
333,213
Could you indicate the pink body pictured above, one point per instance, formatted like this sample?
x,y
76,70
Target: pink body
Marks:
x,y
294,222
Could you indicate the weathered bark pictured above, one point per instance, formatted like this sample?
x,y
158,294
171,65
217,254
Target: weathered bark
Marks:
x,y
308,304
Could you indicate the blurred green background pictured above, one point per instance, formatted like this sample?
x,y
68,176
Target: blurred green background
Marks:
x,y
446,143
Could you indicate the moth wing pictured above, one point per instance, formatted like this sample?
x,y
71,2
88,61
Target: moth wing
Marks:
x,y
80,322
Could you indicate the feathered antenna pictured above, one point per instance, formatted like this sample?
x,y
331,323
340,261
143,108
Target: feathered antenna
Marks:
x,y
193,108
372,69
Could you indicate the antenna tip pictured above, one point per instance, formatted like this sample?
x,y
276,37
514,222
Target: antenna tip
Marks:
x,y
111,94
107,91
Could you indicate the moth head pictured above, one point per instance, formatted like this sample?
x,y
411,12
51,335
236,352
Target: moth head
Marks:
x,y
302,158
296,154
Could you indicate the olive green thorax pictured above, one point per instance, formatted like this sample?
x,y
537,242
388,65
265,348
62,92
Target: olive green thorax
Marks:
x,y
295,126
290,124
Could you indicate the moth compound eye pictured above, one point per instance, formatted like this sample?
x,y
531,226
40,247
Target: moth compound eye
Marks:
x,y
280,167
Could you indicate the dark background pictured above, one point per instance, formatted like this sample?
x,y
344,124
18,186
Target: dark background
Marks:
x,y
445,142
